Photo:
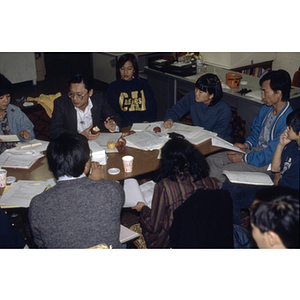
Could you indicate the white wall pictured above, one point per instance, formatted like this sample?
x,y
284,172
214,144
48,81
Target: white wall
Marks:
x,y
289,61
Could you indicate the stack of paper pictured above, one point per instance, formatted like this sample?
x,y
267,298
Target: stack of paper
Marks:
x,y
98,153
19,158
147,140
22,191
254,178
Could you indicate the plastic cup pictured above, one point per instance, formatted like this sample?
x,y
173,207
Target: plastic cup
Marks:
x,y
127,163
3,174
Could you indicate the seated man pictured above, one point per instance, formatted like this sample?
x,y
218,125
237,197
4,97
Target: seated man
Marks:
x,y
266,128
12,119
79,211
275,218
285,166
82,109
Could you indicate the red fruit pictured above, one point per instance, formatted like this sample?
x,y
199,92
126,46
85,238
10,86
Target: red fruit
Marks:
x,y
156,129
122,140
122,148
95,130
119,143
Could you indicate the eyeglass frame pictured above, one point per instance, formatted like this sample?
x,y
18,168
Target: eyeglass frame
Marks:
x,y
74,94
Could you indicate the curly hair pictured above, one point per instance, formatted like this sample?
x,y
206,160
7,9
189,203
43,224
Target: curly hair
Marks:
x,y
181,158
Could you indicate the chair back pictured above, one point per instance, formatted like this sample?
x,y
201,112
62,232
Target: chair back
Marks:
x,y
204,220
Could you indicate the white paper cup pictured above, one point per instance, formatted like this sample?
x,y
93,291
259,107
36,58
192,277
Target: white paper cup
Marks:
x,y
3,178
127,163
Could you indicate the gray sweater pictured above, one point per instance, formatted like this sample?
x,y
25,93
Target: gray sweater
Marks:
x,y
78,213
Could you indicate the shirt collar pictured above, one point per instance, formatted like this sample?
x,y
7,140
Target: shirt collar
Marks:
x,y
65,177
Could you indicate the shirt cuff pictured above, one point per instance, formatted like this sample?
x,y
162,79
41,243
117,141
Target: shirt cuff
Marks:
x,y
117,129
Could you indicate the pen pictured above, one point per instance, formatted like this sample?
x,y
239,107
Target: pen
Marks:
x,y
147,127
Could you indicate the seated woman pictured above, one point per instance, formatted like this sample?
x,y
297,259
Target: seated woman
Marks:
x,y
206,107
12,119
183,170
131,97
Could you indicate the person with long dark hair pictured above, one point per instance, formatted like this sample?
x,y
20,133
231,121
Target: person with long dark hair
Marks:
x,y
206,107
130,96
183,170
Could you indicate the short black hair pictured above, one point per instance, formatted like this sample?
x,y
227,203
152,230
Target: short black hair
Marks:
x,y
280,80
277,210
68,154
210,83
180,157
293,120
121,62
5,85
83,78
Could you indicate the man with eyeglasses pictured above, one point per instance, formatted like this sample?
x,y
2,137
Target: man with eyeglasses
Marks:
x,y
82,109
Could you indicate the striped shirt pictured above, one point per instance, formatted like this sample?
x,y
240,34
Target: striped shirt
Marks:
x,y
168,195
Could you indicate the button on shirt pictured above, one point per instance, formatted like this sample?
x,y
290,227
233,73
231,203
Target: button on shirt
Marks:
x,y
84,118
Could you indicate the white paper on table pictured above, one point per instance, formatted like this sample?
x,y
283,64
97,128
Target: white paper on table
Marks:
x,y
146,126
148,140
105,137
37,145
9,138
135,193
19,158
22,191
216,141
254,178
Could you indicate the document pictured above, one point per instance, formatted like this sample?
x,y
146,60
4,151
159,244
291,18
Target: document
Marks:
x,y
146,126
19,158
216,141
201,136
254,178
147,140
22,191
9,138
135,193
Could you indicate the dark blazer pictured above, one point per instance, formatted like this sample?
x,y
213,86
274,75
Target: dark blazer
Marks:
x,y
64,117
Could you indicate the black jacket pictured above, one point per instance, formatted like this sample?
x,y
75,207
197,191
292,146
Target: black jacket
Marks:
x,y
64,117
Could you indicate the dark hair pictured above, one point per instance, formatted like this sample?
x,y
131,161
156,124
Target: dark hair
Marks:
x,y
5,85
180,157
293,120
279,80
277,210
68,154
122,60
85,79
212,84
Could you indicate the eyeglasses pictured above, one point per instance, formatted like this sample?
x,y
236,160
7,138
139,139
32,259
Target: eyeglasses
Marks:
x,y
79,96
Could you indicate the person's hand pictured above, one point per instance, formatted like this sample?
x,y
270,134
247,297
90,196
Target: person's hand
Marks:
x,y
87,133
110,124
235,156
284,140
242,147
168,124
24,134
139,206
96,171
